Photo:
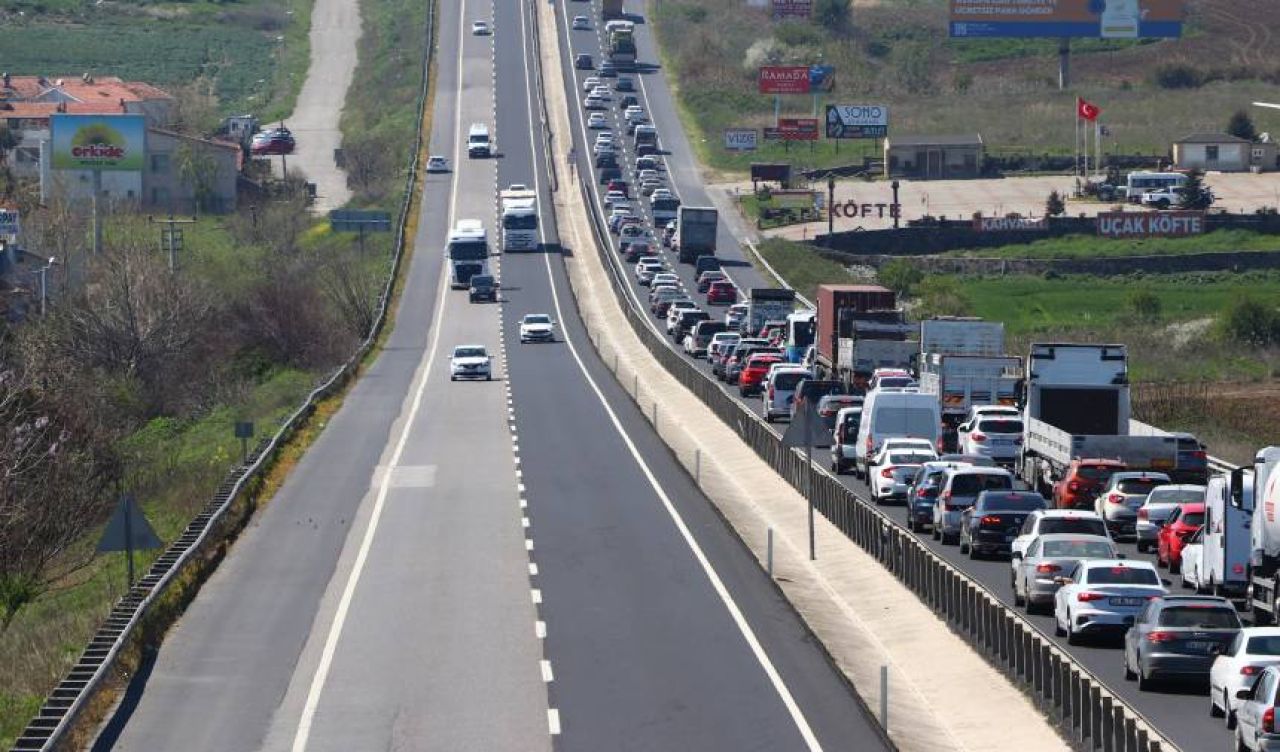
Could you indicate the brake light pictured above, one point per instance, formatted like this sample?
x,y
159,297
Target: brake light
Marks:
x,y
1237,569
1086,597
887,472
1248,670
1115,498
978,437
989,520
929,491
1200,455
1269,721
946,501
1047,568
1073,486
1162,636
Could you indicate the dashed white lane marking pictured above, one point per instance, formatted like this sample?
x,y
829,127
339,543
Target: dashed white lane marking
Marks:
x,y
536,595
533,569
553,721
528,544
547,676
540,629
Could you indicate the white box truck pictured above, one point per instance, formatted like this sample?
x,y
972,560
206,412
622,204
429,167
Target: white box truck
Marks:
x,y
519,218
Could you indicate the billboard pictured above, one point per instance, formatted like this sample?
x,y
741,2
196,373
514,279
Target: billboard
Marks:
x,y
857,121
784,79
740,139
1009,224
794,129
788,9
10,223
1105,19
1150,224
98,142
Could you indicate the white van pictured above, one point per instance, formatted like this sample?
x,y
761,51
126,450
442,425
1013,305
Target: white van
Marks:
x,y
895,413
1224,557
780,389
478,143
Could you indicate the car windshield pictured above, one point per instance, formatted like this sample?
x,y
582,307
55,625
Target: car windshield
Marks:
x,y
1078,525
1078,549
1095,472
909,458
788,380
896,381
1200,616
537,319
1194,519
1012,502
469,352
1137,485
1000,426
1265,645
974,484
1175,496
1122,576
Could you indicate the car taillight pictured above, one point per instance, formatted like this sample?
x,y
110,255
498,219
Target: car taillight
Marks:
x,y
1073,486
1249,670
1086,597
1143,514
1115,498
887,472
1162,636
1269,721
929,492
1047,568
868,445
989,520
978,437
1237,569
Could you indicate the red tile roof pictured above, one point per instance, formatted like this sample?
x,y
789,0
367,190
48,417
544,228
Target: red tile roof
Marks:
x,y
103,89
42,110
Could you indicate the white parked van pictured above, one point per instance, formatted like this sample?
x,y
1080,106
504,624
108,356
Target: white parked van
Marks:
x,y
895,414
780,389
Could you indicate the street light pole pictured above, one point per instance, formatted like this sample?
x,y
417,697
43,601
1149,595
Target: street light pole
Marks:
x,y
44,284
831,207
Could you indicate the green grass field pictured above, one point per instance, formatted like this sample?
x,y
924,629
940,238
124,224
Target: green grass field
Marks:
x,y
1087,246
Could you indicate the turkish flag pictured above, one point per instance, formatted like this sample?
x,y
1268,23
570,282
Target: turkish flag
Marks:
x,y
1086,110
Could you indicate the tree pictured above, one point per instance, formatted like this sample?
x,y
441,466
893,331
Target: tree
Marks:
x,y
8,142
832,14
943,296
1145,305
199,170
900,276
1249,322
195,108
1241,126
1195,195
1055,206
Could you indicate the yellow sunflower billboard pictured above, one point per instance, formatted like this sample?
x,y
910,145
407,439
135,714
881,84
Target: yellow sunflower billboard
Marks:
x,y
98,142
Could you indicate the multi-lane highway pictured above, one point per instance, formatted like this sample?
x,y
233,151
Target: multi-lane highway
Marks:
x,y
508,565
1179,712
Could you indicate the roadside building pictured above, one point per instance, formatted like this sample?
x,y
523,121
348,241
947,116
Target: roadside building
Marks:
x,y
1224,153
933,157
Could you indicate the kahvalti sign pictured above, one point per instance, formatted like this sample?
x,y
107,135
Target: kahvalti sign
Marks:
x,y
1090,19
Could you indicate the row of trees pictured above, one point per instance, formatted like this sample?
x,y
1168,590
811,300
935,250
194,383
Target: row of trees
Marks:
x,y
128,341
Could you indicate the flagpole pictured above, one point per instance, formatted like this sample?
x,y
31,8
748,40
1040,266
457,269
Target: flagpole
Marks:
x,y
1097,147
1075,163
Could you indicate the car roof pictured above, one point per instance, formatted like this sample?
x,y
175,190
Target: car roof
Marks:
x,y
1130,563
1074,537
464,347
1056,513
1180,599
1138,474
980,470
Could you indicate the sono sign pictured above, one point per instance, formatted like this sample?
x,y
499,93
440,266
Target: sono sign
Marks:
x,y
1150,224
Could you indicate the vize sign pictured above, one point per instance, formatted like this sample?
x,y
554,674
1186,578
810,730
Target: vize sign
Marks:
x,y
740,139
98,142
1150,224
784,79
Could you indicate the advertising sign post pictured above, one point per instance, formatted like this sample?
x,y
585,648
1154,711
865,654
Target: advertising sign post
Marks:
x,y
98,143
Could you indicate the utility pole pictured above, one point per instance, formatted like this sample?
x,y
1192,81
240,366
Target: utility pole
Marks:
x,y
44,284
171,237
831,208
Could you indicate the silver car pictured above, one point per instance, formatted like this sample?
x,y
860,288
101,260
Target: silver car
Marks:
x,y
958,492
1159,504
1124,494
1038,574
1252,731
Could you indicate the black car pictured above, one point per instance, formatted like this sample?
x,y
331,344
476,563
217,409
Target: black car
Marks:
x,y
707,263
608,174
646,150
922,497
687,321
484,287
583,62
608,70
606,159
625,84
990,525
809,391
628,101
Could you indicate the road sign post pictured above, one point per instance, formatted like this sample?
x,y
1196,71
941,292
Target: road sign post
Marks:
x,y
244,432
359,221
127,530
801,433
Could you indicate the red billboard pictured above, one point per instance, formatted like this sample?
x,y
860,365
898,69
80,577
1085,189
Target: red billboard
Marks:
x,y
798,129
784,79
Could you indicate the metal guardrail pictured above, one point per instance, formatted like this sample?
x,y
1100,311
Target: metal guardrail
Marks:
x,y
769,267
192,549
1068,693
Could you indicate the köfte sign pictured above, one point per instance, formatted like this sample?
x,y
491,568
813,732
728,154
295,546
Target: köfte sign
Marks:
x,y
852,209
784,79
857,121
1007,224
1150,224
98,142
740,139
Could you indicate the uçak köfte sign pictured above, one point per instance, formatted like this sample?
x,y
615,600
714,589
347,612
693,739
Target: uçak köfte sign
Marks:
x,y
1150,224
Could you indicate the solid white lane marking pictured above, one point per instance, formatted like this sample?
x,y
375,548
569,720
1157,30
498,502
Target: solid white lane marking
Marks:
x,y
553,721
547,676
739,619
321,675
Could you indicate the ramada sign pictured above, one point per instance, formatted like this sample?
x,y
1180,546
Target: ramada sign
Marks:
x,y
1150,224
784,79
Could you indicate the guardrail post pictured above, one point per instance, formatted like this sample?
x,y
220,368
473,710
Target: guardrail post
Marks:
x,y
1144,742
1119,731
1078,716
1107,730
1095,714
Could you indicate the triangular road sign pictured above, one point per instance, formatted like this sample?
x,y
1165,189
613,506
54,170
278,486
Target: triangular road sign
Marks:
x,y
804,429
128,529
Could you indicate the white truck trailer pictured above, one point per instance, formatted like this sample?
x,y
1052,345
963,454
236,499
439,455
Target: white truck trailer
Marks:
x,y
519,218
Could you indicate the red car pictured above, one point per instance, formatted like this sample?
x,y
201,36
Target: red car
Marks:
x,y
1083,481
619,185
722,293
1178,529
752,376
274,141
706,278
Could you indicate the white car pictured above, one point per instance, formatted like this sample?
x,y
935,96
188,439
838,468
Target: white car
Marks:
x,y
480,28
603,92
661,193
537,327
650,187
470,362
645,271
613,197
634,114
666,278
643,175
1050,521
996,436
581,23
673,313
894,467
1238,667
597,121
436,163
589,83
1103,595
1255,716
1124,494
1192,565
593,102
